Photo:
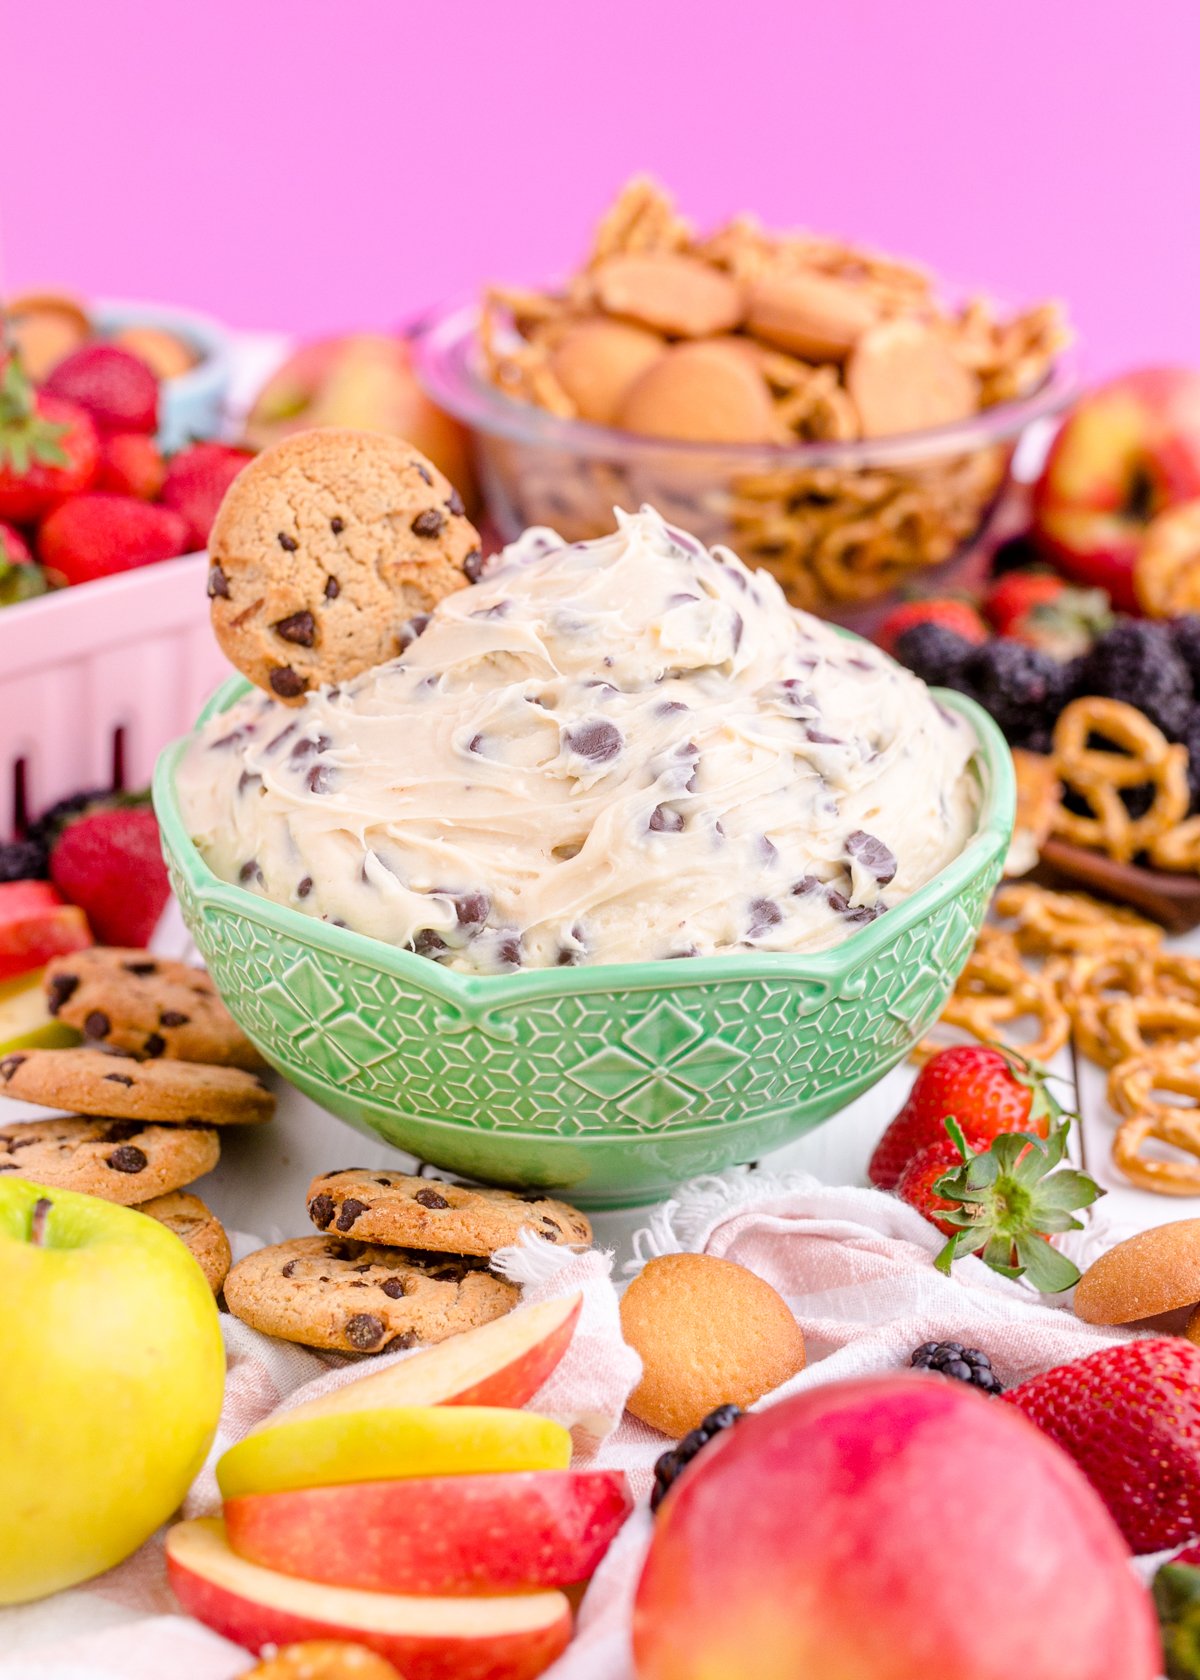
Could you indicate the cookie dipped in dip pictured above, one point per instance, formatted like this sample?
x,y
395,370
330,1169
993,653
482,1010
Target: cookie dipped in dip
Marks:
x,y
631,748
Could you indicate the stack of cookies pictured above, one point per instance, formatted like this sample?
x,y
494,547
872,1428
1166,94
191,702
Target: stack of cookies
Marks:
x,y
403,1260
161,1069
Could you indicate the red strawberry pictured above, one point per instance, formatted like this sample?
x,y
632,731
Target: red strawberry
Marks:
x,y
1011,597
1004,1202
48,447
1041,609
927,1166
109,862
1130,1418
948,611
95,535
196,481
130,465
117,389
989,1091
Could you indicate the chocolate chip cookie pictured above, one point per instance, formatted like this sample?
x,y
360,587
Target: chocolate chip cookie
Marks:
x,y
151,1006
198,1229
122,1161
326,548
117,1085
387,1207
329,1292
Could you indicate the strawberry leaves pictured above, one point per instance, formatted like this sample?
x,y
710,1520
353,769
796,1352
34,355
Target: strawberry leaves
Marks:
x,y
1006,1200
26,437
19,581
1176,1593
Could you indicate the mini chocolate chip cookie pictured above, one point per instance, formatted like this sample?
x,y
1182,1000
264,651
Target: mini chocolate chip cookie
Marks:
x,y
325,548
328,1292
116,1084
387,1207
198,1229
150,1006
122,1161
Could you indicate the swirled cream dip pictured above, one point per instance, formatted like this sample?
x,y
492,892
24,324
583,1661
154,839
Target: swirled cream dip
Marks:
x,y
604,751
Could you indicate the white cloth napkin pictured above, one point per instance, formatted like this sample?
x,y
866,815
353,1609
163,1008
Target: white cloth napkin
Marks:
x,y
855,1265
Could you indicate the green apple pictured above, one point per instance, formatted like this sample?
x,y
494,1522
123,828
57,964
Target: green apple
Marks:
x,y
394,1441
25,1022
111,1381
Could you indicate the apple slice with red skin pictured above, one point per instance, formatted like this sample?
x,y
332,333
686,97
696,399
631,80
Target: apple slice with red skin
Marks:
x,y
503,1363
437,1534
36,923
513,1637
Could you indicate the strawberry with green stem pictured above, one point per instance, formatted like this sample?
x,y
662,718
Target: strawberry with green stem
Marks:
x,y
48,446
990,1089
1005,1201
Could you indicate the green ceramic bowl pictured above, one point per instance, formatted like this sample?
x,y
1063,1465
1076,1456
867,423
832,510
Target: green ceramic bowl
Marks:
x,y
611,1083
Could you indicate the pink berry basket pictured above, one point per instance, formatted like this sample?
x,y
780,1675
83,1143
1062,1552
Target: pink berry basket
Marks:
x,y
95,680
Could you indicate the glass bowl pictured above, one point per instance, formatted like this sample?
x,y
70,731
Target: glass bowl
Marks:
x,y
844,526
612,1083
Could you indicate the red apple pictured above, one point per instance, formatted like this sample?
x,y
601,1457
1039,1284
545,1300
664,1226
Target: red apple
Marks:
x,y
513,1637
363,380
894,1528
36,924
503,1363
1128,450
438,1534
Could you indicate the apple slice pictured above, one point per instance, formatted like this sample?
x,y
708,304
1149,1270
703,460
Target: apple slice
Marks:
x,y
36,923
25,1022
503,1363
437,1534
513,1637
394,1441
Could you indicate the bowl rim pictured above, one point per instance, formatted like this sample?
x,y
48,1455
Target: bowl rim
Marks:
x,y
992,763
208,336
444,341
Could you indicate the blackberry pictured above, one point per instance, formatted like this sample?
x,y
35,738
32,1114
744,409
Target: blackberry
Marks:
x,y
671,1465
23,860
1137,662
1185,635
933,653
952,1359
46,829
1023,688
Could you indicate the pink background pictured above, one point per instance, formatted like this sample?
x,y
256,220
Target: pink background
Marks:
x,y
310,164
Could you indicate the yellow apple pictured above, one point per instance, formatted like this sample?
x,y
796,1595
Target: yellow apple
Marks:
x,y
111,1381
25,1022
368,1446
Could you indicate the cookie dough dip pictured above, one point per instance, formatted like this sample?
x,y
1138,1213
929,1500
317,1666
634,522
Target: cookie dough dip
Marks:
x,y
604,751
